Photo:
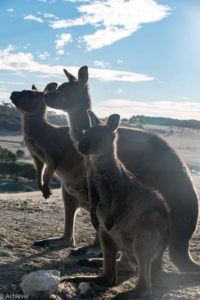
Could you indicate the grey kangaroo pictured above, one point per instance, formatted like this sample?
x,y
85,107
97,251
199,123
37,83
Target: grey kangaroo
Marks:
x,y
131,217
149,157
52,146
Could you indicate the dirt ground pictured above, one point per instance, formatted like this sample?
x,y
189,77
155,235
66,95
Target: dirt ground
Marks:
x,y
27,217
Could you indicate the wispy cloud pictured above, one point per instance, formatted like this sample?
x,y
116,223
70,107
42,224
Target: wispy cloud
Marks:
x,y
119,91
50,16
20,61
44,55
48,1
115,19
128,108
4,95
12,82
77,0
62,40
120,61
10,9
101,64
31,17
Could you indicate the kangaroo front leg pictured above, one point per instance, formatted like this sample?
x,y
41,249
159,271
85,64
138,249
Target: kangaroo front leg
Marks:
x,y
48,174
109,274
39,167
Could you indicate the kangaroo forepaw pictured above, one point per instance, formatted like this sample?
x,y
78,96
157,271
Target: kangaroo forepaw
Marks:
x,y
46,193
109,223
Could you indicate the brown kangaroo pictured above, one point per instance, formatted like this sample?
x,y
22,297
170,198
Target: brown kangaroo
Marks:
x,y
132,217
52,146
149,157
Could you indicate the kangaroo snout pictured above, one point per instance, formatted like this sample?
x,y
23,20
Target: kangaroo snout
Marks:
x,y
14,97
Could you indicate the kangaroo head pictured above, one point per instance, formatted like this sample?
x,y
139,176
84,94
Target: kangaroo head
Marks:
x,y
99,138
31,102
72,95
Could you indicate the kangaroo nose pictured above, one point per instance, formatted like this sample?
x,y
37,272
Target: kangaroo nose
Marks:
x,y
14,97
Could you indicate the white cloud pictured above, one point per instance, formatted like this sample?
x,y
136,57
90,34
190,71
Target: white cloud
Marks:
x,y
115,19
101,64
20,61
31,17
50,1
119,91
10,9
120,61
50,16
60,52
44,55
62,40
12,82
77,0
4,95
128,108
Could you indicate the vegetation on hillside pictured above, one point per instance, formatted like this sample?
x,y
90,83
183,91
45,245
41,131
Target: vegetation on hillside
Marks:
x,y
7,155
165,122
17,175
10,119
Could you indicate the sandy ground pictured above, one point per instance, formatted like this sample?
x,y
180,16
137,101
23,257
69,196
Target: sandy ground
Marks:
x,y
184,140
27,217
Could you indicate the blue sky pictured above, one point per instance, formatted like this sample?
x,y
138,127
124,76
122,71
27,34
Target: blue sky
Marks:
x,y
143,55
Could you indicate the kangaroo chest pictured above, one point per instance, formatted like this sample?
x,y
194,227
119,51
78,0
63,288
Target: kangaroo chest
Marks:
x,y
104,189
35,148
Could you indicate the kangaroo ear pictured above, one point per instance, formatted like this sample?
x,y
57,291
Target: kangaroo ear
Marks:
x,y
34,87
113,122
93,118
83,75
50,87
70,77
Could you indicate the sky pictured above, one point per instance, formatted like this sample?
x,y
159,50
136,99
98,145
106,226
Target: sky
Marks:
x,y
143,55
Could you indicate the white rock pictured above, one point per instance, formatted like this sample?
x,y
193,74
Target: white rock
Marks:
x,y
45,281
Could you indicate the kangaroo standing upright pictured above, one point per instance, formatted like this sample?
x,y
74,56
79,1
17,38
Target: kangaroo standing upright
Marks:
x,y
52,146
151,159
131,217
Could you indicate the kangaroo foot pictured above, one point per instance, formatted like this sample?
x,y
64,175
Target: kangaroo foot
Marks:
x,y
104,280
140,293
130,295
91,251
94,263
54,243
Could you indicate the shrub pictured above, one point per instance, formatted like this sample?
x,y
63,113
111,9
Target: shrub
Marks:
x,y
28,189
20,153
7,155
17,169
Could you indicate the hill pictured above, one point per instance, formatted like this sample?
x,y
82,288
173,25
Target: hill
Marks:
x,y
10,118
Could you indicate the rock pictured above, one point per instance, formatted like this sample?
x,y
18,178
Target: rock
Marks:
x,y
45,281
86,290
67,290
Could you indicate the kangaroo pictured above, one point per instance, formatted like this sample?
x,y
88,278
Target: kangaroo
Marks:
x,y
149,157
131,217
52,146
